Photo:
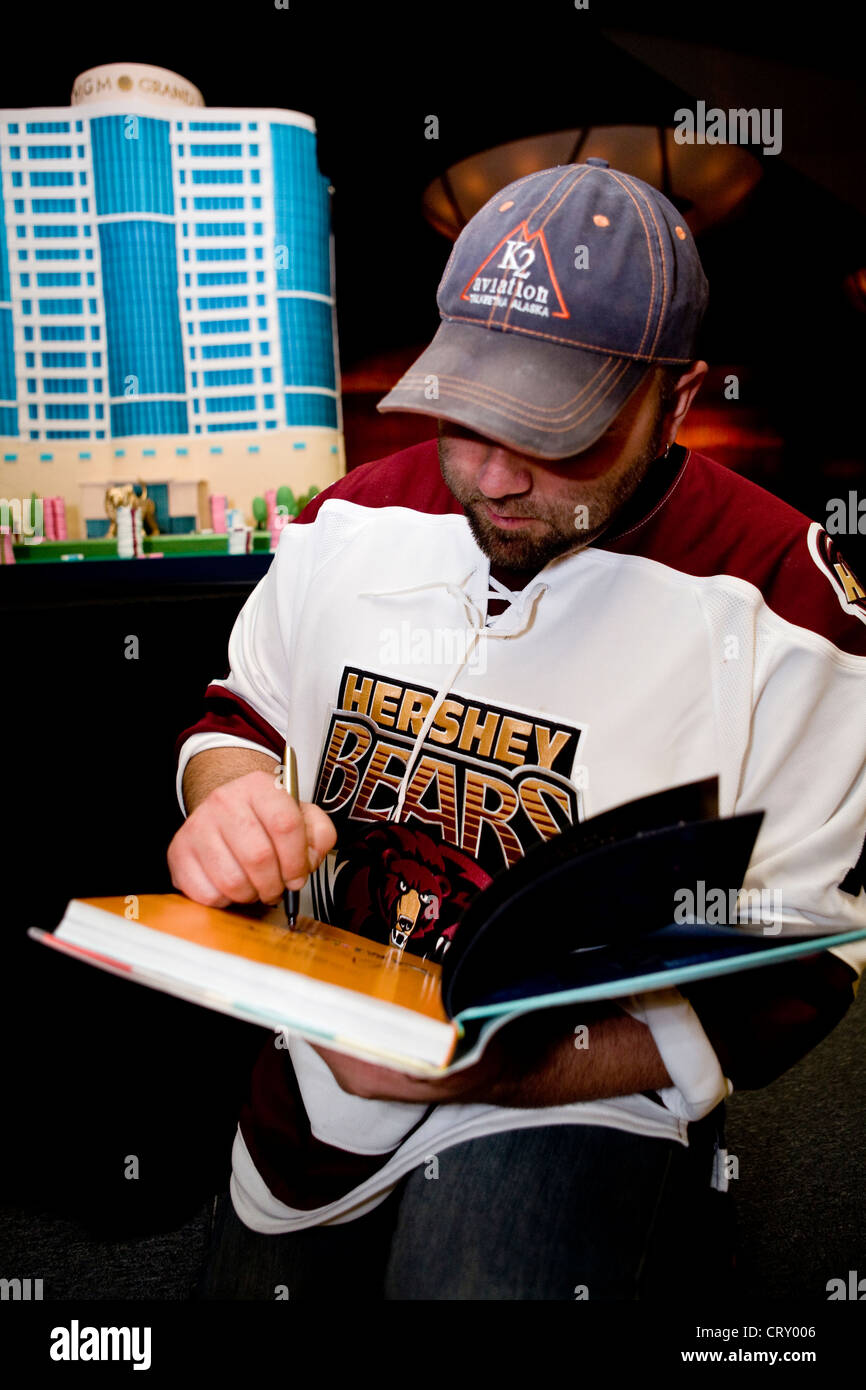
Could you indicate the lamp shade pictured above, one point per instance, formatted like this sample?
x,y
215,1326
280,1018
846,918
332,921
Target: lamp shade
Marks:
x,y
704,182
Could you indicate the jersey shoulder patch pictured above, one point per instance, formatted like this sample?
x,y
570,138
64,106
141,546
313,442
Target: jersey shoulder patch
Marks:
x,y
827,556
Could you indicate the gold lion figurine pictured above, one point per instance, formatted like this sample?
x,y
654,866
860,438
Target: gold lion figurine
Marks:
x,y
127,496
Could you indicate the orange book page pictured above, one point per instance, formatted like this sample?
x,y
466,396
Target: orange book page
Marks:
x,y
314,949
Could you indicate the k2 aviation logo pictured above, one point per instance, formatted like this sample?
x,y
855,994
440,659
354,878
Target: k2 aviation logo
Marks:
x,y
522,279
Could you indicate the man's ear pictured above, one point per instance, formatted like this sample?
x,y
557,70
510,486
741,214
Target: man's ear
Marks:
x,y
686,389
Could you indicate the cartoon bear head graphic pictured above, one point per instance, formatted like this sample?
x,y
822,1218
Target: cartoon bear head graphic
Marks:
x,y
404,887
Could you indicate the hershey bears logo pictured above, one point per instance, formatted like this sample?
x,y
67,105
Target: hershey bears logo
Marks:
x,y
404,887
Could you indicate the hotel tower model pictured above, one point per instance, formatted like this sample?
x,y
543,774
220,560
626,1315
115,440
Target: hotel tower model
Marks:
x,y
166,300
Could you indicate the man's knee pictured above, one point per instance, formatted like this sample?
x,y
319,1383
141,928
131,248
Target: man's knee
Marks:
x,y
558,1212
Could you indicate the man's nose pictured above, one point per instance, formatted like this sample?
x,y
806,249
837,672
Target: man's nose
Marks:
x,y
504,474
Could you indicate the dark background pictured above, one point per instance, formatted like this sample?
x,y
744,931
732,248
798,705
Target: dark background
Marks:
x,y
100,1069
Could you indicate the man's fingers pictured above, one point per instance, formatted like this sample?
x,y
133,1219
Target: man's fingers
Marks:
x,y
249,840
190,878
240,817
283,821
228,873
248,866
232,850
321,832
301,833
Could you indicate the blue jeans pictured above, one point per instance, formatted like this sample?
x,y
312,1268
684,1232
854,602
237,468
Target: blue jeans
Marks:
x,y
557,1213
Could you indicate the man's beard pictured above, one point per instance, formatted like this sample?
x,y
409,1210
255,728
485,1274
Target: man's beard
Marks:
x,y
527,550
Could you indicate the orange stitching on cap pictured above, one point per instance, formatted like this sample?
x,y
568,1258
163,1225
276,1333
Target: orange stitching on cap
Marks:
x,y
567,194
569,342
561,313
600,220
523,417
660,242
506,206
415,381
540,232
469,391
457,395
665,286
549,194
519,416
632,193
680,233
518,183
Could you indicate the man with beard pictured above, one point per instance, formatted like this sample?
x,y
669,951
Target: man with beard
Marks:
x,y
646,618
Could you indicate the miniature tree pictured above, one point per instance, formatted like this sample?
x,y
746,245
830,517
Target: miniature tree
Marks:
x,y
260,513
286,498
307,497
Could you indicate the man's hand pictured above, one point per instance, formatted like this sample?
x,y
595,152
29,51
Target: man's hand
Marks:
x,y
247,841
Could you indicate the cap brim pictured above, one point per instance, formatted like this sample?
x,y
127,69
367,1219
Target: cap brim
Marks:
x,y
533,396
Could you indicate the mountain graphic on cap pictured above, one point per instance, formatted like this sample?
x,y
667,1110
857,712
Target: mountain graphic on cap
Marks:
x,y
525,257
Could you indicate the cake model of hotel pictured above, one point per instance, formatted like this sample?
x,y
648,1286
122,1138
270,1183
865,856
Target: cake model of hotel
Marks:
x,y
167,309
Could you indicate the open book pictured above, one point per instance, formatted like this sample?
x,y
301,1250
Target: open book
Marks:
x,y
600,911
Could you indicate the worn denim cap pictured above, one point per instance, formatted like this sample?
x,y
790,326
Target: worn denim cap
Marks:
x,y
560,294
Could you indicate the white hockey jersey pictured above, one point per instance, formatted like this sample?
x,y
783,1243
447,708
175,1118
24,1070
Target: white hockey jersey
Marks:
x,y
712,629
